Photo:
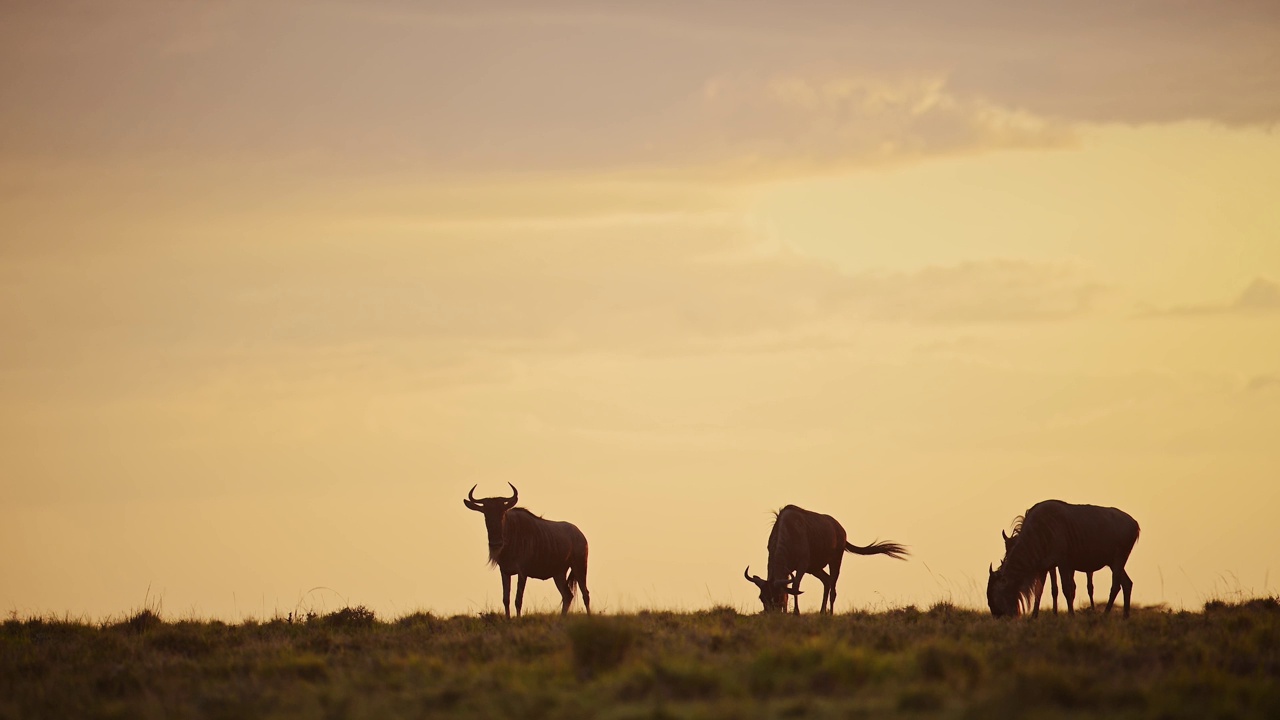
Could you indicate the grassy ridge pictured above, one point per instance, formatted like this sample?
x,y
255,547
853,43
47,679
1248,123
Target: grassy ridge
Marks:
x,y
944,662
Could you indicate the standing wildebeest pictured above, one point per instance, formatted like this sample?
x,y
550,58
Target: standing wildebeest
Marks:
x,y
525,545
805,542
1072,538
1038,589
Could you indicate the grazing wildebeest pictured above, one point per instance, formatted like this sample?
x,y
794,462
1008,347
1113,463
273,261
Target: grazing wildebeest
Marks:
x,y
1072,538
527,546
805,542
1038,589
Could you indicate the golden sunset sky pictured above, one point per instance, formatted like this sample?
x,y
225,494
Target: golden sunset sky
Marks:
x,y
280,281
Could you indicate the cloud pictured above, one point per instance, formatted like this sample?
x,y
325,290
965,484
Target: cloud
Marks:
x,y
977,292
693,287
1138,61
789,124
1260,297
1262,383
427,305
586,88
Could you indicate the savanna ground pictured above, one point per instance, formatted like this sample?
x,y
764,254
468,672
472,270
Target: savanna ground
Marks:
x,y
942,662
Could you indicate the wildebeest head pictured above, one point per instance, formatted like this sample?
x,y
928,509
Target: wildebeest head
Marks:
x,y
773,593
1002,595
495,512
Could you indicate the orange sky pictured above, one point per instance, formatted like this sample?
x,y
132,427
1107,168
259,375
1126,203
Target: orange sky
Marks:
x,y
280,281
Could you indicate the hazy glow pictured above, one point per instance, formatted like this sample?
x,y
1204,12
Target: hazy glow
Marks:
x,y
279,283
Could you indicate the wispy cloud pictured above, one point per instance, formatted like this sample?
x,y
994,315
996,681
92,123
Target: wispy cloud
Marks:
x,y
1261,383
1260,297
797,124
568,289
977,292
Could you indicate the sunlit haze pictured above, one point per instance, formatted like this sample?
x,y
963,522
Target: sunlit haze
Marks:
x,y
280,281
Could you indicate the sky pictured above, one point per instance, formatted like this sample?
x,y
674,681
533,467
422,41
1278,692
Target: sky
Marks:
x,y
280,281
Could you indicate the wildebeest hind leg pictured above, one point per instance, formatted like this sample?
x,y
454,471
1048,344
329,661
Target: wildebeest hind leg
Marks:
x,y
579,576
566,593
1089,578
1120,580
835,577
826,588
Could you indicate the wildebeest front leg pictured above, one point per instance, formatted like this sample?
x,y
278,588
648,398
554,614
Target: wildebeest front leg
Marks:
x,y
520,592
1038,591
1053,588
506,593
1069,591
795,585
1089,579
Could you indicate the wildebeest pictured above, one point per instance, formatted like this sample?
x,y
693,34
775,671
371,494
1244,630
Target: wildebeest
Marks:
x,y
1038,589
1072,538
801,542
528,546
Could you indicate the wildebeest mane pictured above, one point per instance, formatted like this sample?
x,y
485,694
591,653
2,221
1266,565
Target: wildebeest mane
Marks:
x,y
1025,594
1032,551
522,532
1017,525
779,547
526,535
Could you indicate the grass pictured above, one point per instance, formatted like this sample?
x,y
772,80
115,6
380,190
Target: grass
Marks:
x,y
943,662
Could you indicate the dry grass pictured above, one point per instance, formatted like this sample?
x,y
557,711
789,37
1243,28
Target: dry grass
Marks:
x,y
943,662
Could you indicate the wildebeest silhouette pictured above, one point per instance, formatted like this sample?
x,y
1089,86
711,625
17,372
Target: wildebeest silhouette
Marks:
x,y
1072,538
528,546
1038,589
801,542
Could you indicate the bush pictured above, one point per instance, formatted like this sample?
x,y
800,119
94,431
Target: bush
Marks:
x,y
948,662
418,620
599,644
140,622
814,666
350,617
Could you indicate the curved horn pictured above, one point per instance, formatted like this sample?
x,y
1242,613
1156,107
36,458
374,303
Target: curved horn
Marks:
x,y
471,494
1006,537
747,574
515,495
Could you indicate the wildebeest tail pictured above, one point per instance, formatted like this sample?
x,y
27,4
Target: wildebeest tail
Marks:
x,y
892,549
